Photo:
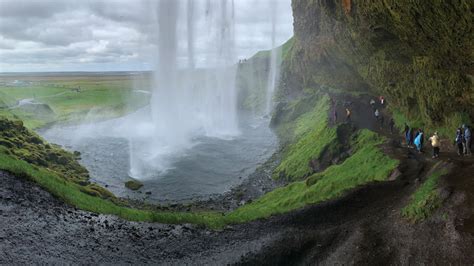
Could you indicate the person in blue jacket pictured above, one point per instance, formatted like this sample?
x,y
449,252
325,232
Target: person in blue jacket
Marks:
x,y
418,141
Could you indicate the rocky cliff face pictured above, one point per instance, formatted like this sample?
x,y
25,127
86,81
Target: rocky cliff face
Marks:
x,y
419,54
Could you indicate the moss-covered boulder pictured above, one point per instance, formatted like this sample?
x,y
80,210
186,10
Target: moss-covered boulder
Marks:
x,y
133,184
22,144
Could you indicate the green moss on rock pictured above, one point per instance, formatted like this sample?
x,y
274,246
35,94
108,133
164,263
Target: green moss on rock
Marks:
x,y
133,184
23,144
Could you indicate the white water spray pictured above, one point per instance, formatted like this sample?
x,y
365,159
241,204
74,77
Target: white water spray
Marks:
x,y
187,103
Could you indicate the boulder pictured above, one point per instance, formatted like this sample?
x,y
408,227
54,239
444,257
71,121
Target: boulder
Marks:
x,y
133,184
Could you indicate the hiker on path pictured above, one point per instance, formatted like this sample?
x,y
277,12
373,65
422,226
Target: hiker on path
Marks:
x,y
381,121
372,104
459,141
422,140
382,100
391,124
408,135
419,141
377,113
435,143
467,139
348,115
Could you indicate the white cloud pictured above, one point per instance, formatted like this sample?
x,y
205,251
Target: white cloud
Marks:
x,y
99,35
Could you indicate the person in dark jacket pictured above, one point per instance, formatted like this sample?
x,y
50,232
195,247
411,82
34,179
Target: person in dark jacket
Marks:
x,y
422,138
467,139
459,141
391,125
408,136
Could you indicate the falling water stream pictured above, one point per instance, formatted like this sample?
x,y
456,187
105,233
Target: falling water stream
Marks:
x,y
275,54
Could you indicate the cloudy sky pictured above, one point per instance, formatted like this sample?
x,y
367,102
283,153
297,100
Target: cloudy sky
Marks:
x,y
112,35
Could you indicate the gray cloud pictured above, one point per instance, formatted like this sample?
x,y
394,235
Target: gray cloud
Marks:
x,y
115,34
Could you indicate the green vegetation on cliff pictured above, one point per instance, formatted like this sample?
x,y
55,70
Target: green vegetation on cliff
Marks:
x,y
418,54
310,135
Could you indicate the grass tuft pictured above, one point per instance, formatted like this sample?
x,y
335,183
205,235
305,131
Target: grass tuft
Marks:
x,y
425,200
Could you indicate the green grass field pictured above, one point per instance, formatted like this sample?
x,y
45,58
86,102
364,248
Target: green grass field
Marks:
x,y
73,99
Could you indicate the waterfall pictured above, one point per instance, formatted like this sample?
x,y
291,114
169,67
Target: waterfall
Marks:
x,y
187,102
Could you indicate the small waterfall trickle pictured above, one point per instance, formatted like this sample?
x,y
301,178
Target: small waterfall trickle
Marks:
x,y
274,69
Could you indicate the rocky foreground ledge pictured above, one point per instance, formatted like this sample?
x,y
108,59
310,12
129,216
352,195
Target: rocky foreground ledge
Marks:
x,y
364,226
36,227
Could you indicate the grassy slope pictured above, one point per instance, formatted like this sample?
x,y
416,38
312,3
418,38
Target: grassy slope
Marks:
x,y
366,165
425,200
311,134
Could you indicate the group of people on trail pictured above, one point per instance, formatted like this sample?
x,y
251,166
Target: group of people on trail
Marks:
x,y
414,137
463,140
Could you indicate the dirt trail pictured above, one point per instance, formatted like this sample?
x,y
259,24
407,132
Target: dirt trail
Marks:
x,y
362,227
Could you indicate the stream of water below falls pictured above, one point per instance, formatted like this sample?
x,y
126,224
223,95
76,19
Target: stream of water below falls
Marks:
x,y
210,166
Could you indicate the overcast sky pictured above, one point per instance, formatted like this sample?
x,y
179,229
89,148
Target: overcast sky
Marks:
x,y
113,35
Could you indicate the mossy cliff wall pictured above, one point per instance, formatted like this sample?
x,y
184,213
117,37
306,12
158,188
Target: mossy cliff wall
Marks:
x,y
419,54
